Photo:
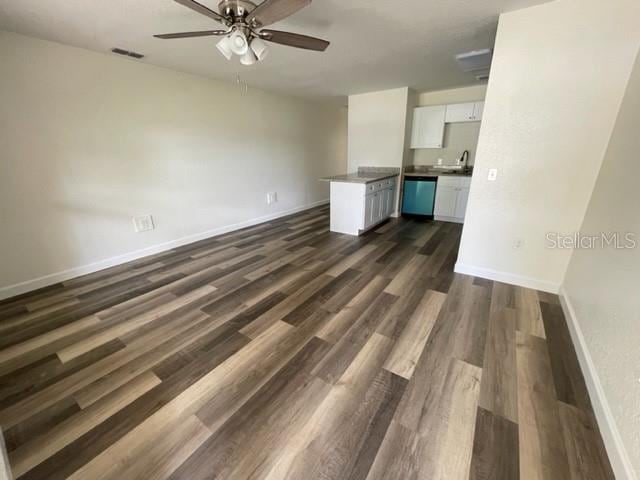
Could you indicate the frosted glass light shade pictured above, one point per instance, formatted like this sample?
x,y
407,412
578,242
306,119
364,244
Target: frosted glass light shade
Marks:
x,y
260,48
224,46
248,58
238,43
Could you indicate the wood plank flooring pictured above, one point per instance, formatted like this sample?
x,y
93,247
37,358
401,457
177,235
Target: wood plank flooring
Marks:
x,y
285,351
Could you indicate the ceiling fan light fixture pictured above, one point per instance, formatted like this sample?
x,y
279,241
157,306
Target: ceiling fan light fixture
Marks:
x,y
244,34
224,46
260,48
238,43
248,58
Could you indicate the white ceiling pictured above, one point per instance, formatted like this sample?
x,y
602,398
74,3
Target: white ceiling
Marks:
x,y
376,44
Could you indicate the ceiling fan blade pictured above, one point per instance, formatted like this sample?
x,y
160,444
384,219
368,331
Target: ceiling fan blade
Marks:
x,y
205,33
294,40
272,11
195,6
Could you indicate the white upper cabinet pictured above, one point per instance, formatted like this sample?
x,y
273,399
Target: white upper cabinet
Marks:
x,y
460,112
464,112
428,127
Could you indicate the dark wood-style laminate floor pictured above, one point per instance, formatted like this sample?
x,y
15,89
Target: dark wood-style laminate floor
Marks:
x,y
284,351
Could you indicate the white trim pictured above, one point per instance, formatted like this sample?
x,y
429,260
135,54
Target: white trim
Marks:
x,y
618,456
505,277
440,218
52,278
5,469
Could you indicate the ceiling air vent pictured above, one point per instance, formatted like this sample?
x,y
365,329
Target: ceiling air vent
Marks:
x,y
475,60
127,53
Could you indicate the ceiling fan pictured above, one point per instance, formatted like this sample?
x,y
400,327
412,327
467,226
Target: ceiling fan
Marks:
x,y
244,34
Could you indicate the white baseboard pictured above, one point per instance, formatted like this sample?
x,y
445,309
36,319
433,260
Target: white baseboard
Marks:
x,y
52,278
618,456
506,277
5,469
448,219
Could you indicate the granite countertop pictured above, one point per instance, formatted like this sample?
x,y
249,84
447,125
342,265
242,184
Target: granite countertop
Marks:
x,y
436,173
360,177
428,172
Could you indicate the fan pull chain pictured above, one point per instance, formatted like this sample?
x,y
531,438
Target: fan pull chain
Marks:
x,y
244,86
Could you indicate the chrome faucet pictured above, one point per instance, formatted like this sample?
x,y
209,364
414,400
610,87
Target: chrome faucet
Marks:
x,y
464,160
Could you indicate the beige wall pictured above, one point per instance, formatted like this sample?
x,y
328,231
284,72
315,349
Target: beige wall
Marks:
x,y
412,103
377,128
458,137
380,127
452,95
603,285
557,80
90,140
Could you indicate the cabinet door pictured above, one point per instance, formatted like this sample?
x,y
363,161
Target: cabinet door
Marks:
x,y
461,203
391,200
375,212
460,112
428,127
369,210
446,199
384,203
478,110
381,206
416,128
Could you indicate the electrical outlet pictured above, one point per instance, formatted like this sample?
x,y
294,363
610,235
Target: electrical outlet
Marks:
x,y
272,197
493,174
143,223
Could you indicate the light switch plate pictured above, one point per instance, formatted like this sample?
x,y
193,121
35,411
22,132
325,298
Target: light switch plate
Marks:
x,y
143,223
493,174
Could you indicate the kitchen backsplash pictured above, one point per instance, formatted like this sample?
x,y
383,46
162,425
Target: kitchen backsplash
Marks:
x,y
458,137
